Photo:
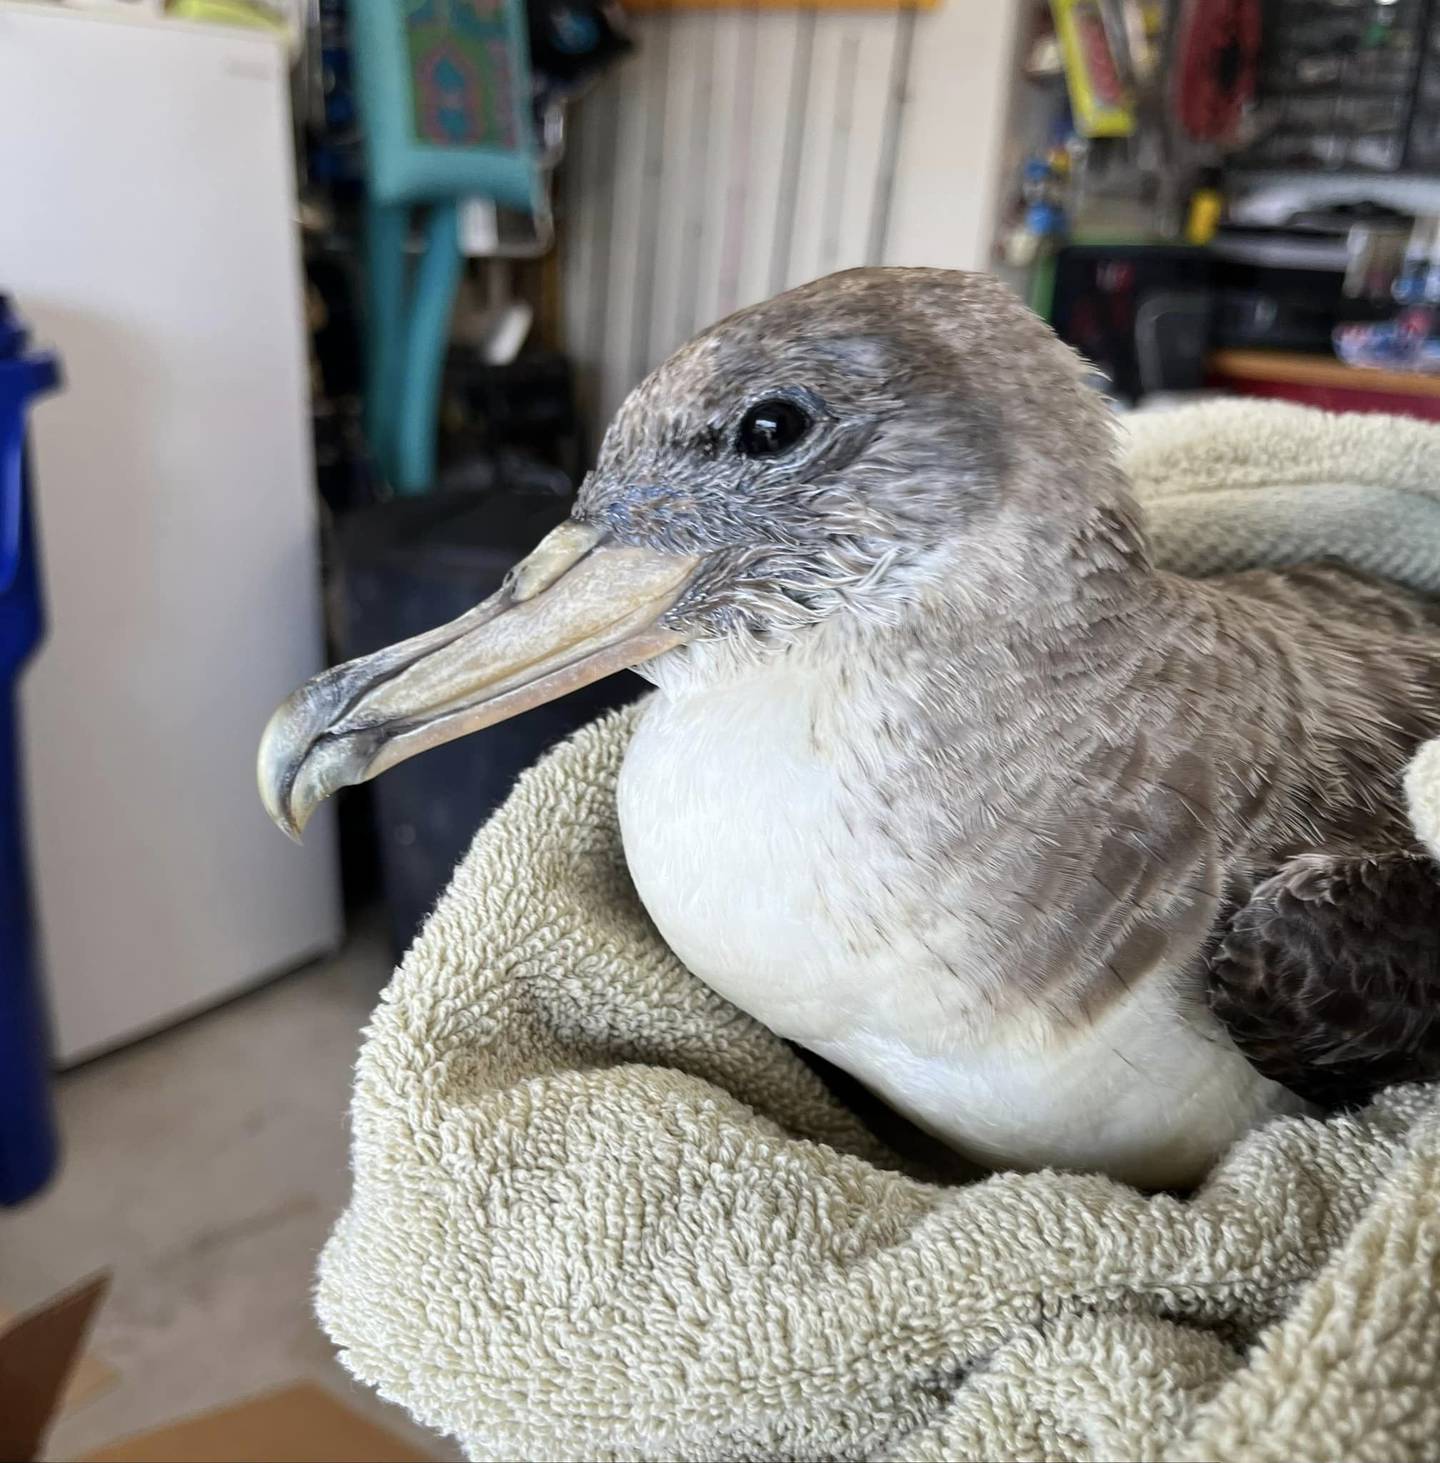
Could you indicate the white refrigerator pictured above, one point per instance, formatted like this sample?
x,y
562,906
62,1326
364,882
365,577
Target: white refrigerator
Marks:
x,y
148,233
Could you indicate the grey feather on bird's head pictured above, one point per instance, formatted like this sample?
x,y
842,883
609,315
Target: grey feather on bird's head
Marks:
x,y
841,445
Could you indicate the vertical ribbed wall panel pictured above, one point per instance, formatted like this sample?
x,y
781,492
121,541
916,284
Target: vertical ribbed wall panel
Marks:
x,y
737,152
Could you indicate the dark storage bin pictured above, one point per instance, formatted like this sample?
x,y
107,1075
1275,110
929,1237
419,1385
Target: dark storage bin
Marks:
x,y
407,566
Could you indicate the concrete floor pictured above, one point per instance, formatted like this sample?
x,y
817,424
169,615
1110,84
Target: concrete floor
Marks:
x,y
204,1168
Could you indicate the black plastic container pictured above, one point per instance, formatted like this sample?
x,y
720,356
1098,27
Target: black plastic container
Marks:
x,y
407,566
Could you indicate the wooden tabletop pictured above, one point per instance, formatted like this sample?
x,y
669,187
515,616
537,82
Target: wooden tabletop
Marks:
x,y
1325,371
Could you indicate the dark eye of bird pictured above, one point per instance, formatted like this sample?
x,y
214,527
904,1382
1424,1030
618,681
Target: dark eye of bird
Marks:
x,y
771,427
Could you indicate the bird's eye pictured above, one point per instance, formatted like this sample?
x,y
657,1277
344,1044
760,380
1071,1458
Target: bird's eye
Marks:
x,y
771,427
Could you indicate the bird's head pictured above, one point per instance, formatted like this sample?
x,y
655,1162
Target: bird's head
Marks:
x,y
830,454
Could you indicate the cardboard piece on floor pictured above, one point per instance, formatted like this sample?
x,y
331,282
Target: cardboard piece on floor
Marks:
x,y
91,1376
37,1357
298,1424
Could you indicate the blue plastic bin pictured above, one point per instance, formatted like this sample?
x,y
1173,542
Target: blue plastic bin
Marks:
x,y
29,1146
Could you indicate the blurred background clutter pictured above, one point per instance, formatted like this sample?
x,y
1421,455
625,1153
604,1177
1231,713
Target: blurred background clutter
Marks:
x,y
1236,196
312,316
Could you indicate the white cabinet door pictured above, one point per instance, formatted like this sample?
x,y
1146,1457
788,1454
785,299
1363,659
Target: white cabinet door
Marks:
x,y
147,232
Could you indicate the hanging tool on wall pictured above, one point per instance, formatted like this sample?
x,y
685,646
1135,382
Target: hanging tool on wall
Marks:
x,y
1214,68
1094,70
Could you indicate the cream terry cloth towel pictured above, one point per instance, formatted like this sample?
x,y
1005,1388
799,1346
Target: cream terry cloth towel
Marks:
x,y
598,1213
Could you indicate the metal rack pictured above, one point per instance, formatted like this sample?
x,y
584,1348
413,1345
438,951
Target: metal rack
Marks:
x,y
1350,84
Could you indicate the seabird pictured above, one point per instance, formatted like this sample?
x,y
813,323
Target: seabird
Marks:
x,y
1074,862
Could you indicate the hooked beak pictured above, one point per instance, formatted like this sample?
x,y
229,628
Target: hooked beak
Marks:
x,y
575,610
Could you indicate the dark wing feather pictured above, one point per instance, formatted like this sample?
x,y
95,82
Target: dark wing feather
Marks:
x,y
1328,979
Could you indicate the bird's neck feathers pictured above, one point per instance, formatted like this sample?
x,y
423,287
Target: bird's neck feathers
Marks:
x,y
1032,579
1025,636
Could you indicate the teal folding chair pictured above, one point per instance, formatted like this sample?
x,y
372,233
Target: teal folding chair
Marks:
x,y
444,91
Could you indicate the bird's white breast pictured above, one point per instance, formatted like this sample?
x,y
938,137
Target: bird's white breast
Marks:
x,y
725,811
742,832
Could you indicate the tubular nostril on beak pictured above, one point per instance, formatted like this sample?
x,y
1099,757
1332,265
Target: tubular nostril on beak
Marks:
x,y
560,550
